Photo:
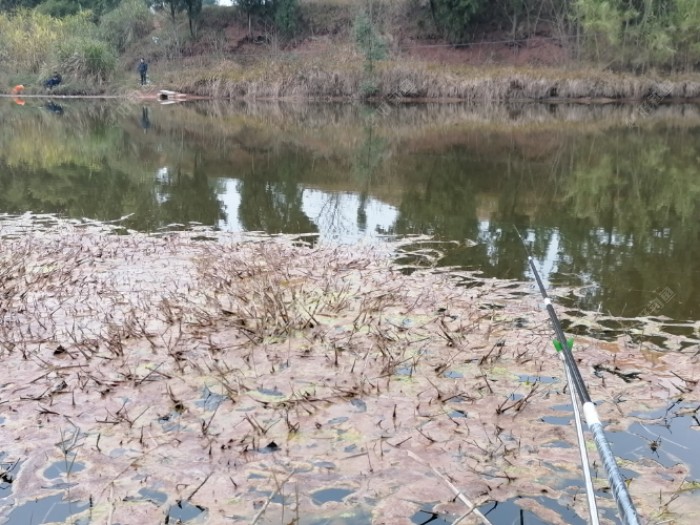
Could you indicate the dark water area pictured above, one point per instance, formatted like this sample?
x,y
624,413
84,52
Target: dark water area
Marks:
x,y
608,198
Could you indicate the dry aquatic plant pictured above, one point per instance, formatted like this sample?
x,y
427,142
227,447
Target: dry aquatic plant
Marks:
x,y
247,375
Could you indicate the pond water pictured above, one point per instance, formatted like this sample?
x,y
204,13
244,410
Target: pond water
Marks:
x,y
607,197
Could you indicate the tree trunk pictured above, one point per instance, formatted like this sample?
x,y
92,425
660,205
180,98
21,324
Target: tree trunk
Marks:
x,y
432,12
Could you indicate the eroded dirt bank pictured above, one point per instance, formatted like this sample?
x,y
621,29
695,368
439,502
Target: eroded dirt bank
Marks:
x,y
248,375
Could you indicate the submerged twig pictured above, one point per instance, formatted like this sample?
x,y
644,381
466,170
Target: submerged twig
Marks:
x,y
458,493
270,498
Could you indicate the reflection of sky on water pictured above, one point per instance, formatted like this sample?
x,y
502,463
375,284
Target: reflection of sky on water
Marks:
x,y
336,215
489,233
547,265
231,199
162,177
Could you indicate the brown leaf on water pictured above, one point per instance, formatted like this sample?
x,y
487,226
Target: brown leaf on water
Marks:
x,y
186,359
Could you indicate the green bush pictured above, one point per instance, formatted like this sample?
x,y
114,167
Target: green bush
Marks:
x,y
85,58
641,35
369,88
368,39
453,16
286,16
58,8
98,60
125,24
27,38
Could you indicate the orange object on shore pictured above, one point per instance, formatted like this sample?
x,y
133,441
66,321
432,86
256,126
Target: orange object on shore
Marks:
x,y
19,102
17,89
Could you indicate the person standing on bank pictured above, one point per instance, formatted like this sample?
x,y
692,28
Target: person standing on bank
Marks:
x,y
143,69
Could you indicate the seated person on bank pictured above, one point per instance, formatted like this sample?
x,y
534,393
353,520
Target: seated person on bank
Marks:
x,y
54,81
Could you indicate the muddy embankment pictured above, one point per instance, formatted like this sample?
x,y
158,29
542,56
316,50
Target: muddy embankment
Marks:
x,y
265,380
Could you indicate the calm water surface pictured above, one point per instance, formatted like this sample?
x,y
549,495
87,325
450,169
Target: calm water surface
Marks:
x,y
609,198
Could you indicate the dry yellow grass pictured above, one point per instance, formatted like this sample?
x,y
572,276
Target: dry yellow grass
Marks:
x,y
341,75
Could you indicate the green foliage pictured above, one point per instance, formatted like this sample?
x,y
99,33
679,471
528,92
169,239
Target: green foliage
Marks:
x,y
59,8
640,34
287,17
35,43
79,53
368,40
373,48
452,17
369,88
125,24
283,15
84,58
602,23
97,60
174,6
250,8
9,5
686,21
194,9
63,8
27,38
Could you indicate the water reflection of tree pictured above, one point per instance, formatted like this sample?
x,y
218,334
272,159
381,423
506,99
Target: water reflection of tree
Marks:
x,y
75,190
367,161
439,198
619,213
272,196
190,198
618,210
635,218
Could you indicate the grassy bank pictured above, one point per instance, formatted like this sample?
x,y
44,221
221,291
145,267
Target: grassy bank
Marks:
x,y
414,81
324,61
340,75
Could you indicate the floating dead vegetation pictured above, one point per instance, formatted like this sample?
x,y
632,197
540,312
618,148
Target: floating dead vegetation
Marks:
x,y
242,378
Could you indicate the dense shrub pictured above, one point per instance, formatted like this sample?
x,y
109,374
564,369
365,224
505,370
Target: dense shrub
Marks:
x,y
125,24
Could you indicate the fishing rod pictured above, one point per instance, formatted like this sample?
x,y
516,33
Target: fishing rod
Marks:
x,y
625,506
